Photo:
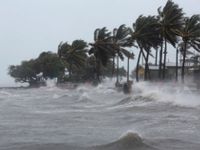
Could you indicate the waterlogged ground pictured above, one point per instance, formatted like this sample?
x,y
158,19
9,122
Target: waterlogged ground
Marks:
x,y
155,116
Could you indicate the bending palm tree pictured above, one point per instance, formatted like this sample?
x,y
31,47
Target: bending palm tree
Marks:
x,y
190,34
146,34
120,40
74,55
170,20
101,49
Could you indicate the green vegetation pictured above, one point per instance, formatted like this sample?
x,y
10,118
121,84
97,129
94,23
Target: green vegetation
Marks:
x,y
170,21
146,35
36,71
190,34
73,55
82,62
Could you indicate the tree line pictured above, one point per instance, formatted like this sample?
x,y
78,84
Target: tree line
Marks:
x,y
91,61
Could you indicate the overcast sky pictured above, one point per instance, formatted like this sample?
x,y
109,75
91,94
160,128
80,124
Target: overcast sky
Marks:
x,y
28,27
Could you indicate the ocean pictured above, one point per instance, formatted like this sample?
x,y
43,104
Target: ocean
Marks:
x,y
155,116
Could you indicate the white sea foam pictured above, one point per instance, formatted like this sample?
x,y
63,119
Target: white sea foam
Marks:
x,y
88,116
180,95
5,93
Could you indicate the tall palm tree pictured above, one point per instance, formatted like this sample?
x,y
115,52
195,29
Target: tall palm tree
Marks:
x,y
190,34
100,48
119,41
146,34
170,20
74,55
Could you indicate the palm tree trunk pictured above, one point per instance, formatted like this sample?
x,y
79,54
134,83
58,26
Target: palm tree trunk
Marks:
x,y
128,70
165,57
183,65
148,71
97,69
138,63
177,64
156,58
146,67
117,69
70,70
113,67
160,61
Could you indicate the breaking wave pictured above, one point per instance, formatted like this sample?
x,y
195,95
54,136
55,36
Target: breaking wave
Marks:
x,y
88,117
129,141
178,95
143,92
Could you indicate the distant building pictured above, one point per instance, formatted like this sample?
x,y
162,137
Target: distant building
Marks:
x,y
170,72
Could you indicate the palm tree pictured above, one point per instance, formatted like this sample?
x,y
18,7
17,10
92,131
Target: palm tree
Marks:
x,y
146,34
190,34
119,41
74,55
101,49
170,20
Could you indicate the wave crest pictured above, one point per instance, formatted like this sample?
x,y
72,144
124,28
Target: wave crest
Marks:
x,y
129,141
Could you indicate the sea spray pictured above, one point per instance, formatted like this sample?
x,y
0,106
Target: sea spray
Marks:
x,y
180,95
59,118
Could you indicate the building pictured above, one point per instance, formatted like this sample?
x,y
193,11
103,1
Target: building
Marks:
x,y
170,72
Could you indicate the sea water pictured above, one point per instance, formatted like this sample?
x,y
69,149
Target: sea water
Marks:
x,y
155,116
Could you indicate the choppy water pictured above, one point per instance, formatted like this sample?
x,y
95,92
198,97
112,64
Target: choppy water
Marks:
x,y
154,117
